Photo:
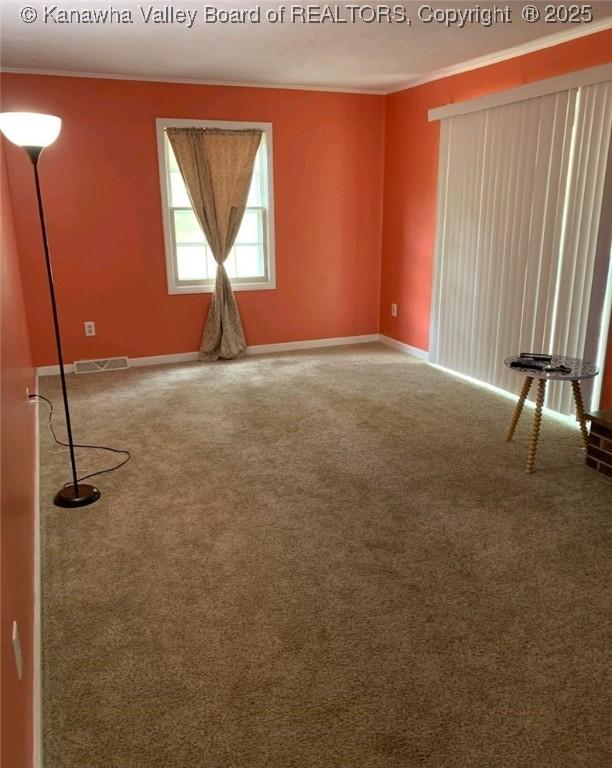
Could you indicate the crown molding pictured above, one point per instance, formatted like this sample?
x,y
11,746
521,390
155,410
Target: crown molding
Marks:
x,y
188,81
539,44
575,79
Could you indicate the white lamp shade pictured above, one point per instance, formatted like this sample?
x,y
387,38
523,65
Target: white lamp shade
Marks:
x,y
30,129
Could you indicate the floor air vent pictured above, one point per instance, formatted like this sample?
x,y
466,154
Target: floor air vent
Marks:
x,y
108,364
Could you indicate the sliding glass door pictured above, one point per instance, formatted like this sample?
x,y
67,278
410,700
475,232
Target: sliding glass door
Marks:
x,y
518,244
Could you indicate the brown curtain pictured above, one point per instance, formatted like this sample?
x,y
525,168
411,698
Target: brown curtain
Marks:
x,y
217,166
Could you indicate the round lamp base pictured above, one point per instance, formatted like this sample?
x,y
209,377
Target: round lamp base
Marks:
x,y
85,494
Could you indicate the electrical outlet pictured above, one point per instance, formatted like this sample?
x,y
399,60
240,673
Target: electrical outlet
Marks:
x,y
17,649
90,328
393,310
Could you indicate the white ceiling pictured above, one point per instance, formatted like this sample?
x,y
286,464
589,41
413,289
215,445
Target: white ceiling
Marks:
x,y
377,57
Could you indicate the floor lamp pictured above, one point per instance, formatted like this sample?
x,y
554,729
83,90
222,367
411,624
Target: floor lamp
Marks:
x,y
33,132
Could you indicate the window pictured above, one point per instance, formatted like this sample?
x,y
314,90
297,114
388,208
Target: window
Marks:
x,y
520,194
190,265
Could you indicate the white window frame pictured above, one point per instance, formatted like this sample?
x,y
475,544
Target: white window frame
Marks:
x,y
238,284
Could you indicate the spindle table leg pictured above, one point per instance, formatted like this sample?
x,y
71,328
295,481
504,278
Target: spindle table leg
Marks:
x,y
535,433
580,412
519,407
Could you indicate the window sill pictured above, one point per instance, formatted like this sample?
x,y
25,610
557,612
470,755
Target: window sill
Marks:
x,y
236,287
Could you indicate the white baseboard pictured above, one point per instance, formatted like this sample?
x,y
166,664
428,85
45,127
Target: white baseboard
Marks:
x,y
262,349
289,346
258,349
37,758
421,354
53,370
180,357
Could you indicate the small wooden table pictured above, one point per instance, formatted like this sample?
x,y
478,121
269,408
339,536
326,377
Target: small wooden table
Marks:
x,y
579,370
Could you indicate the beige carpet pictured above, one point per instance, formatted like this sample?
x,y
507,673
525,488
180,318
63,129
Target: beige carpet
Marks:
x,y
323,560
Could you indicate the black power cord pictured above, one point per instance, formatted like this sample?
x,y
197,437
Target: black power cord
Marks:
x,y
127,454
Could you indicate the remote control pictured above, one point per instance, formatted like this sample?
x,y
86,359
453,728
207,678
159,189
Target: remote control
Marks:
x,y
540,356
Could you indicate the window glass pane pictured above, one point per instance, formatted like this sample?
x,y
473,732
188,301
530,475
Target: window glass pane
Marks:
x,y
171,157
249,261
194,260
178,191
254,196
191,262
230,263
211,263
249,231
186,227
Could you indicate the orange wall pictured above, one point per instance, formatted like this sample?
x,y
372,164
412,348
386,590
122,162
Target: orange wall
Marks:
x,y
411,168
101,187
17,496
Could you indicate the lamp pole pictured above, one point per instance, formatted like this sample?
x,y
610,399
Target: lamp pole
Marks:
x,y
73,494
33,131
34,154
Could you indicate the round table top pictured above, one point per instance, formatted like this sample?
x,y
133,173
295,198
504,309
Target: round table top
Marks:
x,y
580,369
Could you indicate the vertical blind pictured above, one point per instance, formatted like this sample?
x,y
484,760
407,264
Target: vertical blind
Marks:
x,y
519,203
